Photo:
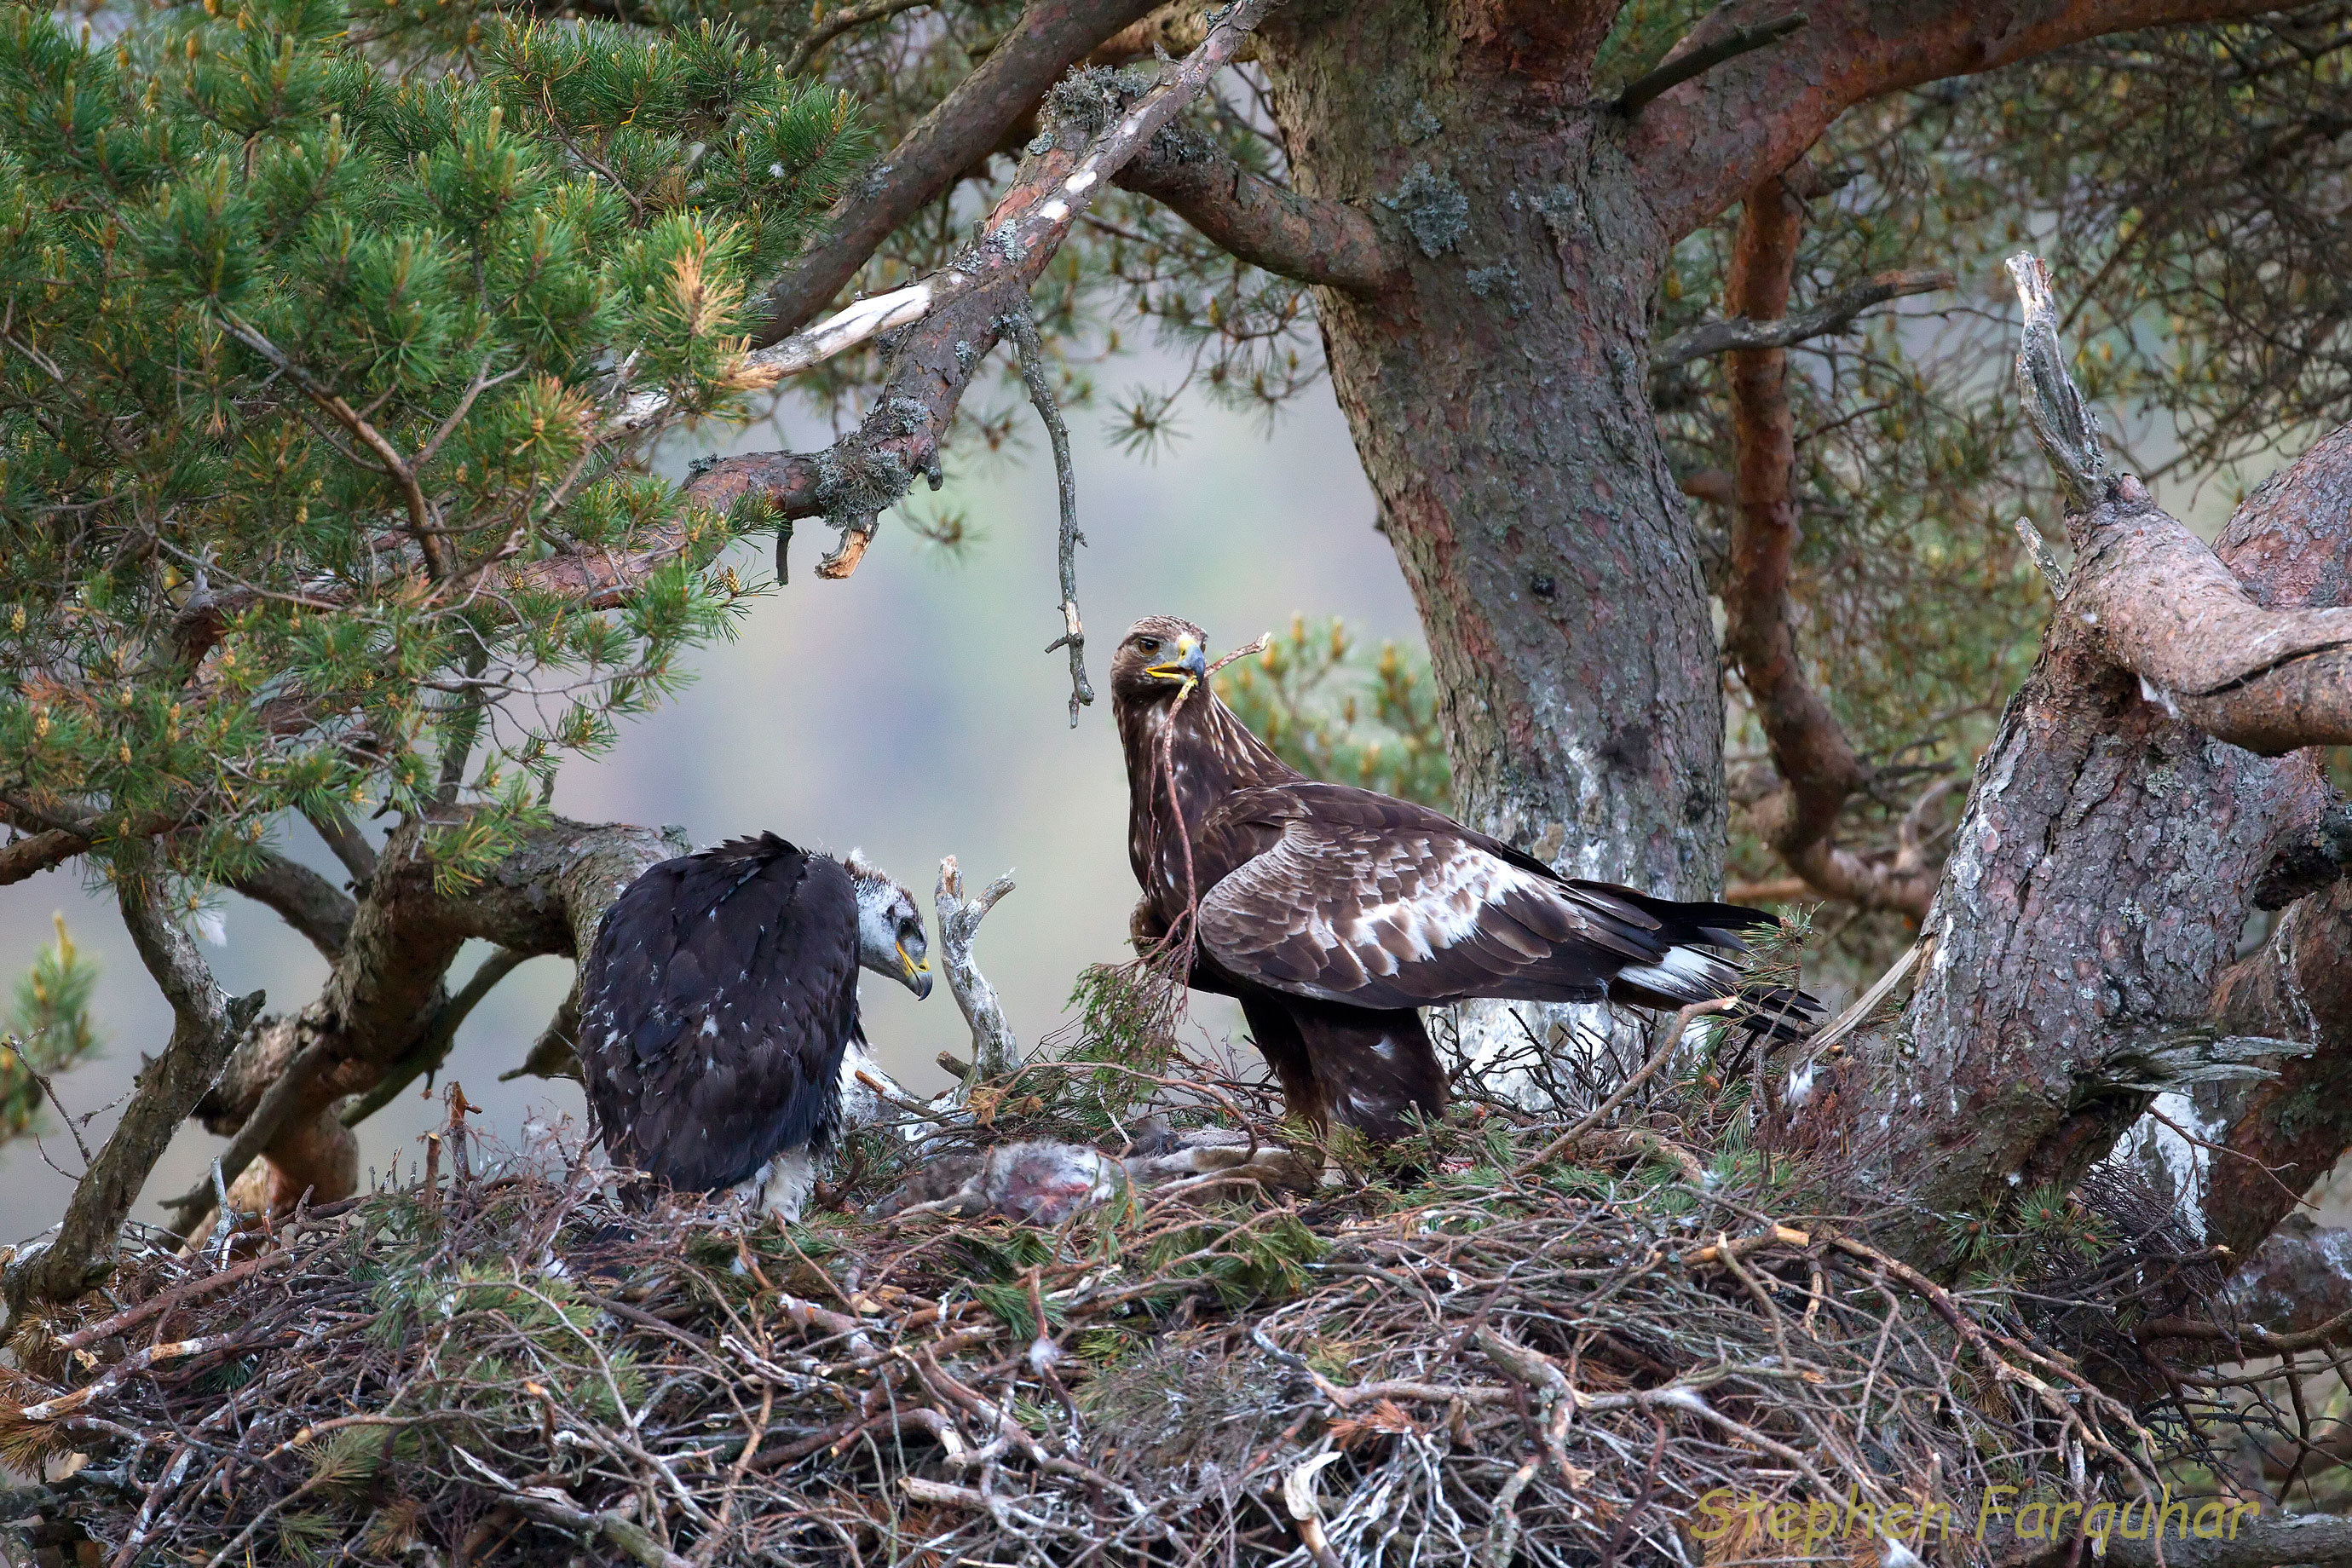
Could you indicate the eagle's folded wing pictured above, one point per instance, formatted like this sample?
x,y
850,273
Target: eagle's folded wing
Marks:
x,y
1359,898
717,1000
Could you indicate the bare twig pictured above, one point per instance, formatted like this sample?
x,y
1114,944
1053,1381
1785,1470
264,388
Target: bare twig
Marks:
x,y
2045,560
1682,67
1832,315
842,21
1626,1090
1022,330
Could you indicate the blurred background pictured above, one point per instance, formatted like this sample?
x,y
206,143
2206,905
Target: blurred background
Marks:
x,y
910,712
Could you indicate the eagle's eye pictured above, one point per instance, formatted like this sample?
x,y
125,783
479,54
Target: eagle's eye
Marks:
x,y
1148,644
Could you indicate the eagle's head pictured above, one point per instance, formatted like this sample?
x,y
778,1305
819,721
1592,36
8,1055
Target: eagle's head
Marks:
x,y
889,928
1159,656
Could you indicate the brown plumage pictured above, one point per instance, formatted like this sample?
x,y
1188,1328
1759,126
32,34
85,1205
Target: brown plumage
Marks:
x,y
1334,914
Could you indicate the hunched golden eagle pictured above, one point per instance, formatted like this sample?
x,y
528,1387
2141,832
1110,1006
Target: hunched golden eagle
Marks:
x,y
1333,914
719,1010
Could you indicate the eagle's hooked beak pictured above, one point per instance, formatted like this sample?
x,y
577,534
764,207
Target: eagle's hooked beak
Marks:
x,y
915,972
1191,662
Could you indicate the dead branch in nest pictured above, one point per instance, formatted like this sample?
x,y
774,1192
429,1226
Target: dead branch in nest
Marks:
x,y
996,1052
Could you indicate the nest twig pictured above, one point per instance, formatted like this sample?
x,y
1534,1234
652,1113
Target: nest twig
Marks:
x,y
1540,1355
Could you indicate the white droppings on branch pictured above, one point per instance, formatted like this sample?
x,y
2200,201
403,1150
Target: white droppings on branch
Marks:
x,y
1044,224
845,329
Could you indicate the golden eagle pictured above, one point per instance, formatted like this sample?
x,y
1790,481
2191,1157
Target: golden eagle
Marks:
x,y
719,1010
1333,914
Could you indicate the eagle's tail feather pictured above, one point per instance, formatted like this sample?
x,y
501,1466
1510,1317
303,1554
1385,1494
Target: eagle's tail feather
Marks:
x,y
1704,960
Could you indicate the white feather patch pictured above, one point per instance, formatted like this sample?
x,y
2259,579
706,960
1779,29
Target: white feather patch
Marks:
x,y
1694,973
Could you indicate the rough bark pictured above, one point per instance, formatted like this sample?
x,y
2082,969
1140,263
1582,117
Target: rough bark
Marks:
x,y
206,1025
2275,1140
38,852
2098,880
2299,1281
1499,406
1499,401
2260,1542
2269,681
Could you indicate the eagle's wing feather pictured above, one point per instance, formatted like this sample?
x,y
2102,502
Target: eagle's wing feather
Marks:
x,y
1349,896
715,1008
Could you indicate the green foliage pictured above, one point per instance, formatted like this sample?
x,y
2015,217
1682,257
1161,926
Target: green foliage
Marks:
x,y
1264,1261
310,461
49,1031
1312,700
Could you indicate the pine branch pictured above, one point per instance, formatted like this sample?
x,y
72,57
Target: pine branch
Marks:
x,y
206,1026
1050,37
322,911
957,313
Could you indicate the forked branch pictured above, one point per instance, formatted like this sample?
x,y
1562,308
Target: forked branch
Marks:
x,y
996,1053
956,317
1050,37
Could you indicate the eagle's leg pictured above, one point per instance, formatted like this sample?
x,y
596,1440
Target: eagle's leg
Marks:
x,y
1371,1069
1304,1097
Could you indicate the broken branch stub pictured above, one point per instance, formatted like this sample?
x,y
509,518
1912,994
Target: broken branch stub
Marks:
x,y
995,1052
2155,600
2062,423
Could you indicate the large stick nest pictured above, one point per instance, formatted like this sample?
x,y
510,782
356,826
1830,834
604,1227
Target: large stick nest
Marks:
x,y
1510,1358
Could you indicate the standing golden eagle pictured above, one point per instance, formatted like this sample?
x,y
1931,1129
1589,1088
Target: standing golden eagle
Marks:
x,y
719,1010
1333,914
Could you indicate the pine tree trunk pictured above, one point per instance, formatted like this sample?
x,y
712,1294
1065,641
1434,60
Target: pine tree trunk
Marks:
x,y
1501,409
